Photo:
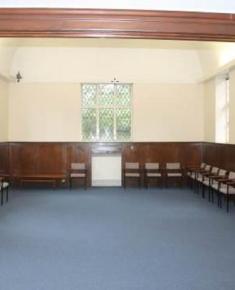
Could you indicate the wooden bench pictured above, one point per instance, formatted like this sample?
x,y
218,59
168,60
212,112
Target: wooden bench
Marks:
x,y
40,178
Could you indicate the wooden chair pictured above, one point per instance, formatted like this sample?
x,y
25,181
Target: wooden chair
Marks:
x,y
213,182
152,171
200,175
206,177
78,171
4,187
225,188
192,173
131,171
174,171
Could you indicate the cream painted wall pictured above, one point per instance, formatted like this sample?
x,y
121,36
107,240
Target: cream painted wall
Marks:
x,y
232,107
51,112
44,112
168,112
209,110
3,111
102,64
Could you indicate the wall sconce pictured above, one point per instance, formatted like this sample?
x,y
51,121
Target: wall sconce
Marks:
x,y
114,81
18,77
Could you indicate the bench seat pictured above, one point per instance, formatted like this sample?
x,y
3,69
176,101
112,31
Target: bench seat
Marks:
x,y
53,179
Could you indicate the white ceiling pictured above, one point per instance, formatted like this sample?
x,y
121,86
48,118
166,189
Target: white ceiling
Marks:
x,y
227,6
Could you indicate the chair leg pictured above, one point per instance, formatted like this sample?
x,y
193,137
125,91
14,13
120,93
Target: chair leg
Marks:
x,y
227,202
7,194
203,191
220,200
146,182
1,196
70,183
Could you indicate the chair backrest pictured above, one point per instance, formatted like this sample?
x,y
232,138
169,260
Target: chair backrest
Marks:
x,y
78,166
152,166
231,175
214,170
131,165
173,165
222,172
203,165
208,167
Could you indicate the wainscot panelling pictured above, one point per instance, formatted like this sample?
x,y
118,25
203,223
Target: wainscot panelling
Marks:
x,y
41,158
36,158
4,159
221,155
188,153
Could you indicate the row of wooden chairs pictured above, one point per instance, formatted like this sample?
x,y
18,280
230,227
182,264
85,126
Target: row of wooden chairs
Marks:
x,y
153,171
213,180
132,170
4,189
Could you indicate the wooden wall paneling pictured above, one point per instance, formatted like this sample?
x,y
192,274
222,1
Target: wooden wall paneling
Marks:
x,y
221,155
51,158
35,22
36,158
23,158
55,157
4,159
187,153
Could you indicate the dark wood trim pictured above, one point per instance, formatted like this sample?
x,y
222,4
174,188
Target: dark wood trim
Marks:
x,y
47,22
220,155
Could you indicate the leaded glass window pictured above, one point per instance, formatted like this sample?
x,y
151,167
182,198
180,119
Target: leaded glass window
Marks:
x,y
106,112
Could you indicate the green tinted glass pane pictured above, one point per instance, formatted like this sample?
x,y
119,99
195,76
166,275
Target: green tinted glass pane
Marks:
x,y
123,118
106,124
89,124
88,95
106,95
123,95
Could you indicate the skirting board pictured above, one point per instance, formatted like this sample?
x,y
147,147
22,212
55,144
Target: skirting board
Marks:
x,y
106,182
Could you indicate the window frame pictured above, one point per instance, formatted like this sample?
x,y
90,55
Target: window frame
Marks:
x,y
97,107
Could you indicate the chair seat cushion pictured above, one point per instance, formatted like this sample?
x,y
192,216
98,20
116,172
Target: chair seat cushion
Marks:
x,y
77,175
129,174
206,182
215,185
223,189
174,174
192,175
154,175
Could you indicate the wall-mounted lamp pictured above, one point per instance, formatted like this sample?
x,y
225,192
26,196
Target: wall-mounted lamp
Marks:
x,y
114,81
18,77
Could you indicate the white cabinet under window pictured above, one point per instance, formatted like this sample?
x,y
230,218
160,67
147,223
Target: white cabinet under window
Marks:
x,y
106,165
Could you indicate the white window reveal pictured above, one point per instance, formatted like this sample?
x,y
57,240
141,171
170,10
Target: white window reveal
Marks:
x,y
222,109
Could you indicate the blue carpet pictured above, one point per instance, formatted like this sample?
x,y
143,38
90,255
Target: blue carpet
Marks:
x,y
112,239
